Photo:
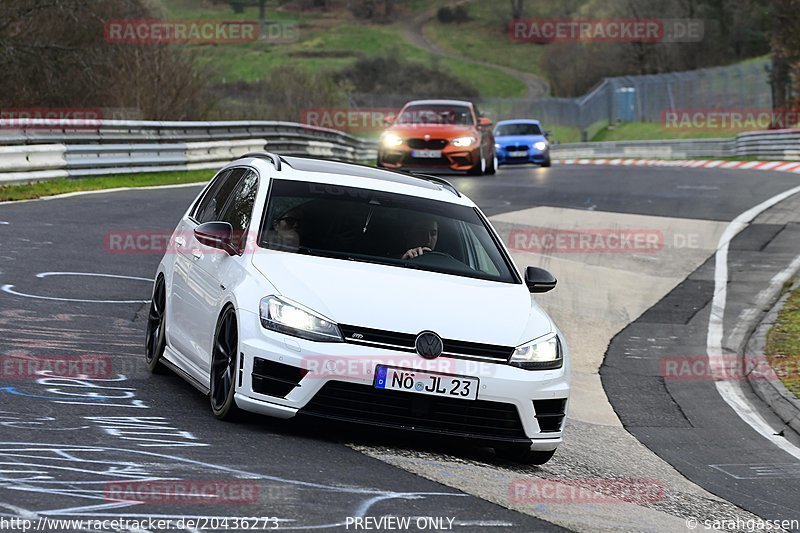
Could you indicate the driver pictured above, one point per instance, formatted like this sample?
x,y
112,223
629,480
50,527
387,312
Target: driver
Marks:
x,y
421,237
285,231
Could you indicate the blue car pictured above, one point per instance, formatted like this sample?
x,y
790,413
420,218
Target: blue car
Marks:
x,y
521,141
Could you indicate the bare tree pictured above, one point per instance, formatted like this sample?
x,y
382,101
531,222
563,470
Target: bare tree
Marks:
x,y
517,8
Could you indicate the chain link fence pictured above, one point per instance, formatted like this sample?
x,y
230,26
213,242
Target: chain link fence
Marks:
x,y
627,98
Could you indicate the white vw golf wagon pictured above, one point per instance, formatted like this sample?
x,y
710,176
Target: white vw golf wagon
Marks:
x,y
296,286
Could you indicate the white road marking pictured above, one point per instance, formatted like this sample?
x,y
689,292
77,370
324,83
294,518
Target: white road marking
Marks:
x,y
46,274
8,288
728,390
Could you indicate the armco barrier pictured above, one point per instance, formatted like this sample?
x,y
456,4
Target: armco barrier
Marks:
x,y
70,148
667,149
781,145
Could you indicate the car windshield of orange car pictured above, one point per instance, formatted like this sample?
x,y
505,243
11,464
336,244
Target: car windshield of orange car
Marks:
x,y
518,129
436,114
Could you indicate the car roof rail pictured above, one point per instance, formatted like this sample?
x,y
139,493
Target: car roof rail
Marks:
x,y
275,158
439,181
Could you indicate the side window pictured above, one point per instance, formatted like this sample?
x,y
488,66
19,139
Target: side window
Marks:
x,y
208,194
240,207
210,208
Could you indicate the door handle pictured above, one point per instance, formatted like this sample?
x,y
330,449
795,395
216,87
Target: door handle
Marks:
x,y
180,241
197,253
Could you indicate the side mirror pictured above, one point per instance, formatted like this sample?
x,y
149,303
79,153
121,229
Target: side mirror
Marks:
x,y
539,280
483,121
547,134
216,235
388,120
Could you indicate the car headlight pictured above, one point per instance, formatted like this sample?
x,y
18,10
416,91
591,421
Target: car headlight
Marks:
x,y
463,141
539,355
280,315
541,146
390,140
497,146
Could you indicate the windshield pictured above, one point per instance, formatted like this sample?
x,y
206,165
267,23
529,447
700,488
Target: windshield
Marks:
x,y
517,129
379,227
436,114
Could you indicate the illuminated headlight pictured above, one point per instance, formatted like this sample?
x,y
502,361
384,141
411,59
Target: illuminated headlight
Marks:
x,y
541,146
280,315
390,140
497,146
539,355
463,141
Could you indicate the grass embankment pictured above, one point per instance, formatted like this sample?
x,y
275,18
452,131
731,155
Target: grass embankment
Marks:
x,y
783,344
485,38
324,41
64,185
647,131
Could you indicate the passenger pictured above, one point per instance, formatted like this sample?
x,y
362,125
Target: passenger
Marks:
x,y
286,231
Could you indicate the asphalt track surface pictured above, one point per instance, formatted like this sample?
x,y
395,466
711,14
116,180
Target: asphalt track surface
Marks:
x,y
65,442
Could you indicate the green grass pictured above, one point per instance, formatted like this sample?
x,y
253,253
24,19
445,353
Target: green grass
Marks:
x,y
645,131
39,189
319,36
783,344
485,38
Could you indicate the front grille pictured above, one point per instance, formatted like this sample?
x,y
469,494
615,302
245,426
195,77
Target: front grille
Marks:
x,y
426,161
405,410
517,148
405,342
430,144
549,414
275,379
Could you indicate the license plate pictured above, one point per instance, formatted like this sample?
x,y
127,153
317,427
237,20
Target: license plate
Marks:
x,y
430,154
517,154
460,387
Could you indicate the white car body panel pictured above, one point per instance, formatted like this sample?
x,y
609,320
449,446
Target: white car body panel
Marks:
x,y
360,294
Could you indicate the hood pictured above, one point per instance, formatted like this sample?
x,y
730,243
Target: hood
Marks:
x,y
519,139
405,300
436,131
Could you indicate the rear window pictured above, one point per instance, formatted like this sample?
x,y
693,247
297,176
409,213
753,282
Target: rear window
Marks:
x,y
371,226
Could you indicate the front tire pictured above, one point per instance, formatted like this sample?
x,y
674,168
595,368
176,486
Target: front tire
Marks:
x,y
155,335
525,455
547,163
492,168
224,357
479,168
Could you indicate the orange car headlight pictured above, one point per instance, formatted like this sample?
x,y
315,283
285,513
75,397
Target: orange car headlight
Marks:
x,y
464,141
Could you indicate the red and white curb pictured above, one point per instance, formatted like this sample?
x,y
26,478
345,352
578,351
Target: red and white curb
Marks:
x,y
780,166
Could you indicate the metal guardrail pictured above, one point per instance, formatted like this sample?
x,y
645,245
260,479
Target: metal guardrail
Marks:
x,y
667,149
778,145
71,148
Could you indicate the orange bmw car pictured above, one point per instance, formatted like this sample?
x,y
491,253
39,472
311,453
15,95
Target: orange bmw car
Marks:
x,y
435,135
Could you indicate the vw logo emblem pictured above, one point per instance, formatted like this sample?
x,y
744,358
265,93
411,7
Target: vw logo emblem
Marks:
x,y
429,345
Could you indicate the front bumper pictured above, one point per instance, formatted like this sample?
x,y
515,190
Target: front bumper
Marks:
x,y
532,155
514,406
452,157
